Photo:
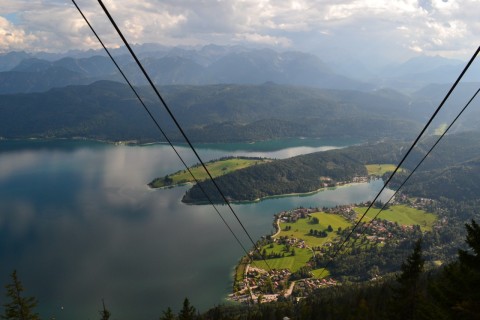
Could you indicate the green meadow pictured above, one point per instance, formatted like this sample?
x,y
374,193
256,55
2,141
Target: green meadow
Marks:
x,y
380,169
301,230
402,214
293,263
216,168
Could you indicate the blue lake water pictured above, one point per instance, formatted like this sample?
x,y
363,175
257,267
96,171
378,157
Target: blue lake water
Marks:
x,y
79,223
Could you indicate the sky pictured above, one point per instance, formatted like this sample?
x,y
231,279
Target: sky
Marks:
x,y
365,29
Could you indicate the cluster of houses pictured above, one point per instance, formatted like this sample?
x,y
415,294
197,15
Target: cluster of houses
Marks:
x,y
360,179
291,242
253,288
292,216
346,211
268,285
304,287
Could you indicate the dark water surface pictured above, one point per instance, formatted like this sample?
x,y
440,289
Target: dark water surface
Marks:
x,y
79,224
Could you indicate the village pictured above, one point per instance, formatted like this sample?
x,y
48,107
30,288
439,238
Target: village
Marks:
x,y
262,285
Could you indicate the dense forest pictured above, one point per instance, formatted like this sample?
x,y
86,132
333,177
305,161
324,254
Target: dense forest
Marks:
x,y
108,110
294,175
456,163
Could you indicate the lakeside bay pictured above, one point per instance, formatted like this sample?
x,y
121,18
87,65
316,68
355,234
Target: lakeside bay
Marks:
x,y
81,213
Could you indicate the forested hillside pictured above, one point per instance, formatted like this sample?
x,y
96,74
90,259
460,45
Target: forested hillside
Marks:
x,y
445,167
459,182
218,113
294,175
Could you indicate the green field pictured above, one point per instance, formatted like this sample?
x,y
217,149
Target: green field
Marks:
x,y
301,228
319,272
402,214
293,263
380,169
216,168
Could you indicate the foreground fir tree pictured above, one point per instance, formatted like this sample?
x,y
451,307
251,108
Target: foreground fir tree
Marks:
x,y
407,298
19,307
187,312
105,314
168,315
457,288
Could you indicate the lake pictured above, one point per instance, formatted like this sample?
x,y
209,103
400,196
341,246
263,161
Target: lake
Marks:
x,y
80,225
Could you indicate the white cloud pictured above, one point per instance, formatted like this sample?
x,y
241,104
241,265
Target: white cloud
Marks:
x,y
264,39
429,26
13,38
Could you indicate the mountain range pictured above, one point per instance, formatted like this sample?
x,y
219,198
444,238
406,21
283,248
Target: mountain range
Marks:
x,y
219,93
22,72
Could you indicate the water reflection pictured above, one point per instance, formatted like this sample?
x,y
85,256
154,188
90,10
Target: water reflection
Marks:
x,y
81,225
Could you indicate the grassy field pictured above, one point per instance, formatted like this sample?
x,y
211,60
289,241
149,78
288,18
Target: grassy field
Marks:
x,y
293,263
301,228
240,270
379,169
403,215
216,168
318,272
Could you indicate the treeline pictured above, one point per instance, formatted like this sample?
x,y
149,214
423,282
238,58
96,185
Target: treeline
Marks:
x,y
299,174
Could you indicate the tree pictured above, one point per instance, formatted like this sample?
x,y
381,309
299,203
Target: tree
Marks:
x,y
167,180
467,259
19,307
457,287
454,291
187,312
168,315
407,295
104,313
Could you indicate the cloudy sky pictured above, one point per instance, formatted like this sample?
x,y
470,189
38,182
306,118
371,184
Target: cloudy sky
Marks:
x,y
397,29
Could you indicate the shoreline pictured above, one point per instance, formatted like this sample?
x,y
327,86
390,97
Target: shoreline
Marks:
x,y
147,142
286,195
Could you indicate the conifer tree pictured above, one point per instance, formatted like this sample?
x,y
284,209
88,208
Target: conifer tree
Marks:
x,y
456,289
104,313
467,304
19,307
187,312
168,315
467,259
407,295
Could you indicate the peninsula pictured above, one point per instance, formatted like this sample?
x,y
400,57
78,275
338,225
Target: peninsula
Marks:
x,y
215,167
292,261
